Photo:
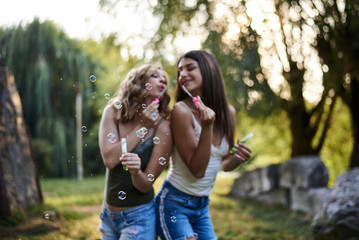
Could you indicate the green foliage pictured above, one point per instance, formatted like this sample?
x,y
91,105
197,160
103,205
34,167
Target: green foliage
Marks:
x,y
74,215
58,193
240,63
48,66
271,141
339,143
116,62
17,217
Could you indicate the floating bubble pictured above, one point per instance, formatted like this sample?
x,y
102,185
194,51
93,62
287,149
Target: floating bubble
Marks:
x,y
156,140
84,129
122,195
93,78
154,116
148,86
173,219
111,137
117,104
141,133
47,216
162,161
107,96
151,177
144,106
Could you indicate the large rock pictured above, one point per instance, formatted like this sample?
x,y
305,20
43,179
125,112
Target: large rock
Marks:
x,y
308,200
299,184
19,186
251,183
303,172
306,179
339,216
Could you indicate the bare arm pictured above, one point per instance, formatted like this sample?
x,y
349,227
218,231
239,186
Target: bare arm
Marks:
x,y
195,154
242,154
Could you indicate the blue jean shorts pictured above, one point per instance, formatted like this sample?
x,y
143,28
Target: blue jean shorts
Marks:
x,y
135,223
180,215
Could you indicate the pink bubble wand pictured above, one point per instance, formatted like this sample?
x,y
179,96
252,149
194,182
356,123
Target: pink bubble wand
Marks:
x,y
194,99
159,96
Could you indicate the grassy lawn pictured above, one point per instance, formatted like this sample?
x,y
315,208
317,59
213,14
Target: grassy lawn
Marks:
x,y
72,209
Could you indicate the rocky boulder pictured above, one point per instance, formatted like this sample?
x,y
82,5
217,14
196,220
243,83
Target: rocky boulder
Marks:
x,y
339,215
299,183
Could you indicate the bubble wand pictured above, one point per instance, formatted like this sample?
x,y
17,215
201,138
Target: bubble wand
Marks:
x,y
124,150
159,96
194,99
245,139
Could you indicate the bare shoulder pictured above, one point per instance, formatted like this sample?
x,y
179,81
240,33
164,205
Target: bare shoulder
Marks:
x,y
232,110
108,111
164,126
180,110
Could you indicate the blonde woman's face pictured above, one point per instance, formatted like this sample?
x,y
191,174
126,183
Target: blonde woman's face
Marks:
x,y
156,83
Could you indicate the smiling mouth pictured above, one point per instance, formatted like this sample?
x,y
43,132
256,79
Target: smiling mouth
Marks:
x,y
186,82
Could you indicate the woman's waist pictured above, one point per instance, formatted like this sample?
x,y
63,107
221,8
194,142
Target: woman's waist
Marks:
x,y
116,209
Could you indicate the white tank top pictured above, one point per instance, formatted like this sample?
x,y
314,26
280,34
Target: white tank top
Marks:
x,y
181,177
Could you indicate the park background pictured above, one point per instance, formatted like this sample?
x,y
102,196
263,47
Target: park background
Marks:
x,y
289,69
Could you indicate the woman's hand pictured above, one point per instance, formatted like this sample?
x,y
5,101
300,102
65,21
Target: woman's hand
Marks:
x,y
206,115
132,161
242,153
150,115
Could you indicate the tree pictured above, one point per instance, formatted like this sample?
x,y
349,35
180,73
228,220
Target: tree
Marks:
x,y
47,66
246,58
19,181
337,43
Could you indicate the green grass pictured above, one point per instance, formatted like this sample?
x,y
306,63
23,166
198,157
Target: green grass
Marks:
x,y
74,207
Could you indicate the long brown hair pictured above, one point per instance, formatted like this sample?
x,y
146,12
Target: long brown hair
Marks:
x,y
132,93
213,91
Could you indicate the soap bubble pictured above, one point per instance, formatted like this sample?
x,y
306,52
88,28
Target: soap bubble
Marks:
x,y
84,129
111,137
162,161
156,140
122,195
154,116
93,78
141,133
144,106
117,104
148,86
173,219
151,177
107,96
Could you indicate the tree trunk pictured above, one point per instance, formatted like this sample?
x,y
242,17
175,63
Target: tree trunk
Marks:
x,y
18,176
301,139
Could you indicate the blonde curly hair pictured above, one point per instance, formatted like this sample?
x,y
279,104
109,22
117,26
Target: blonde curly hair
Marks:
x,y
132,93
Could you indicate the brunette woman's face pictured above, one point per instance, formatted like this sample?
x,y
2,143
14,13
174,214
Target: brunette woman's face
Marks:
x,y
189,75
156,83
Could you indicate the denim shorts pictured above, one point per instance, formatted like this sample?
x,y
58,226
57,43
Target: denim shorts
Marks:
x,y
135,223
180,215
